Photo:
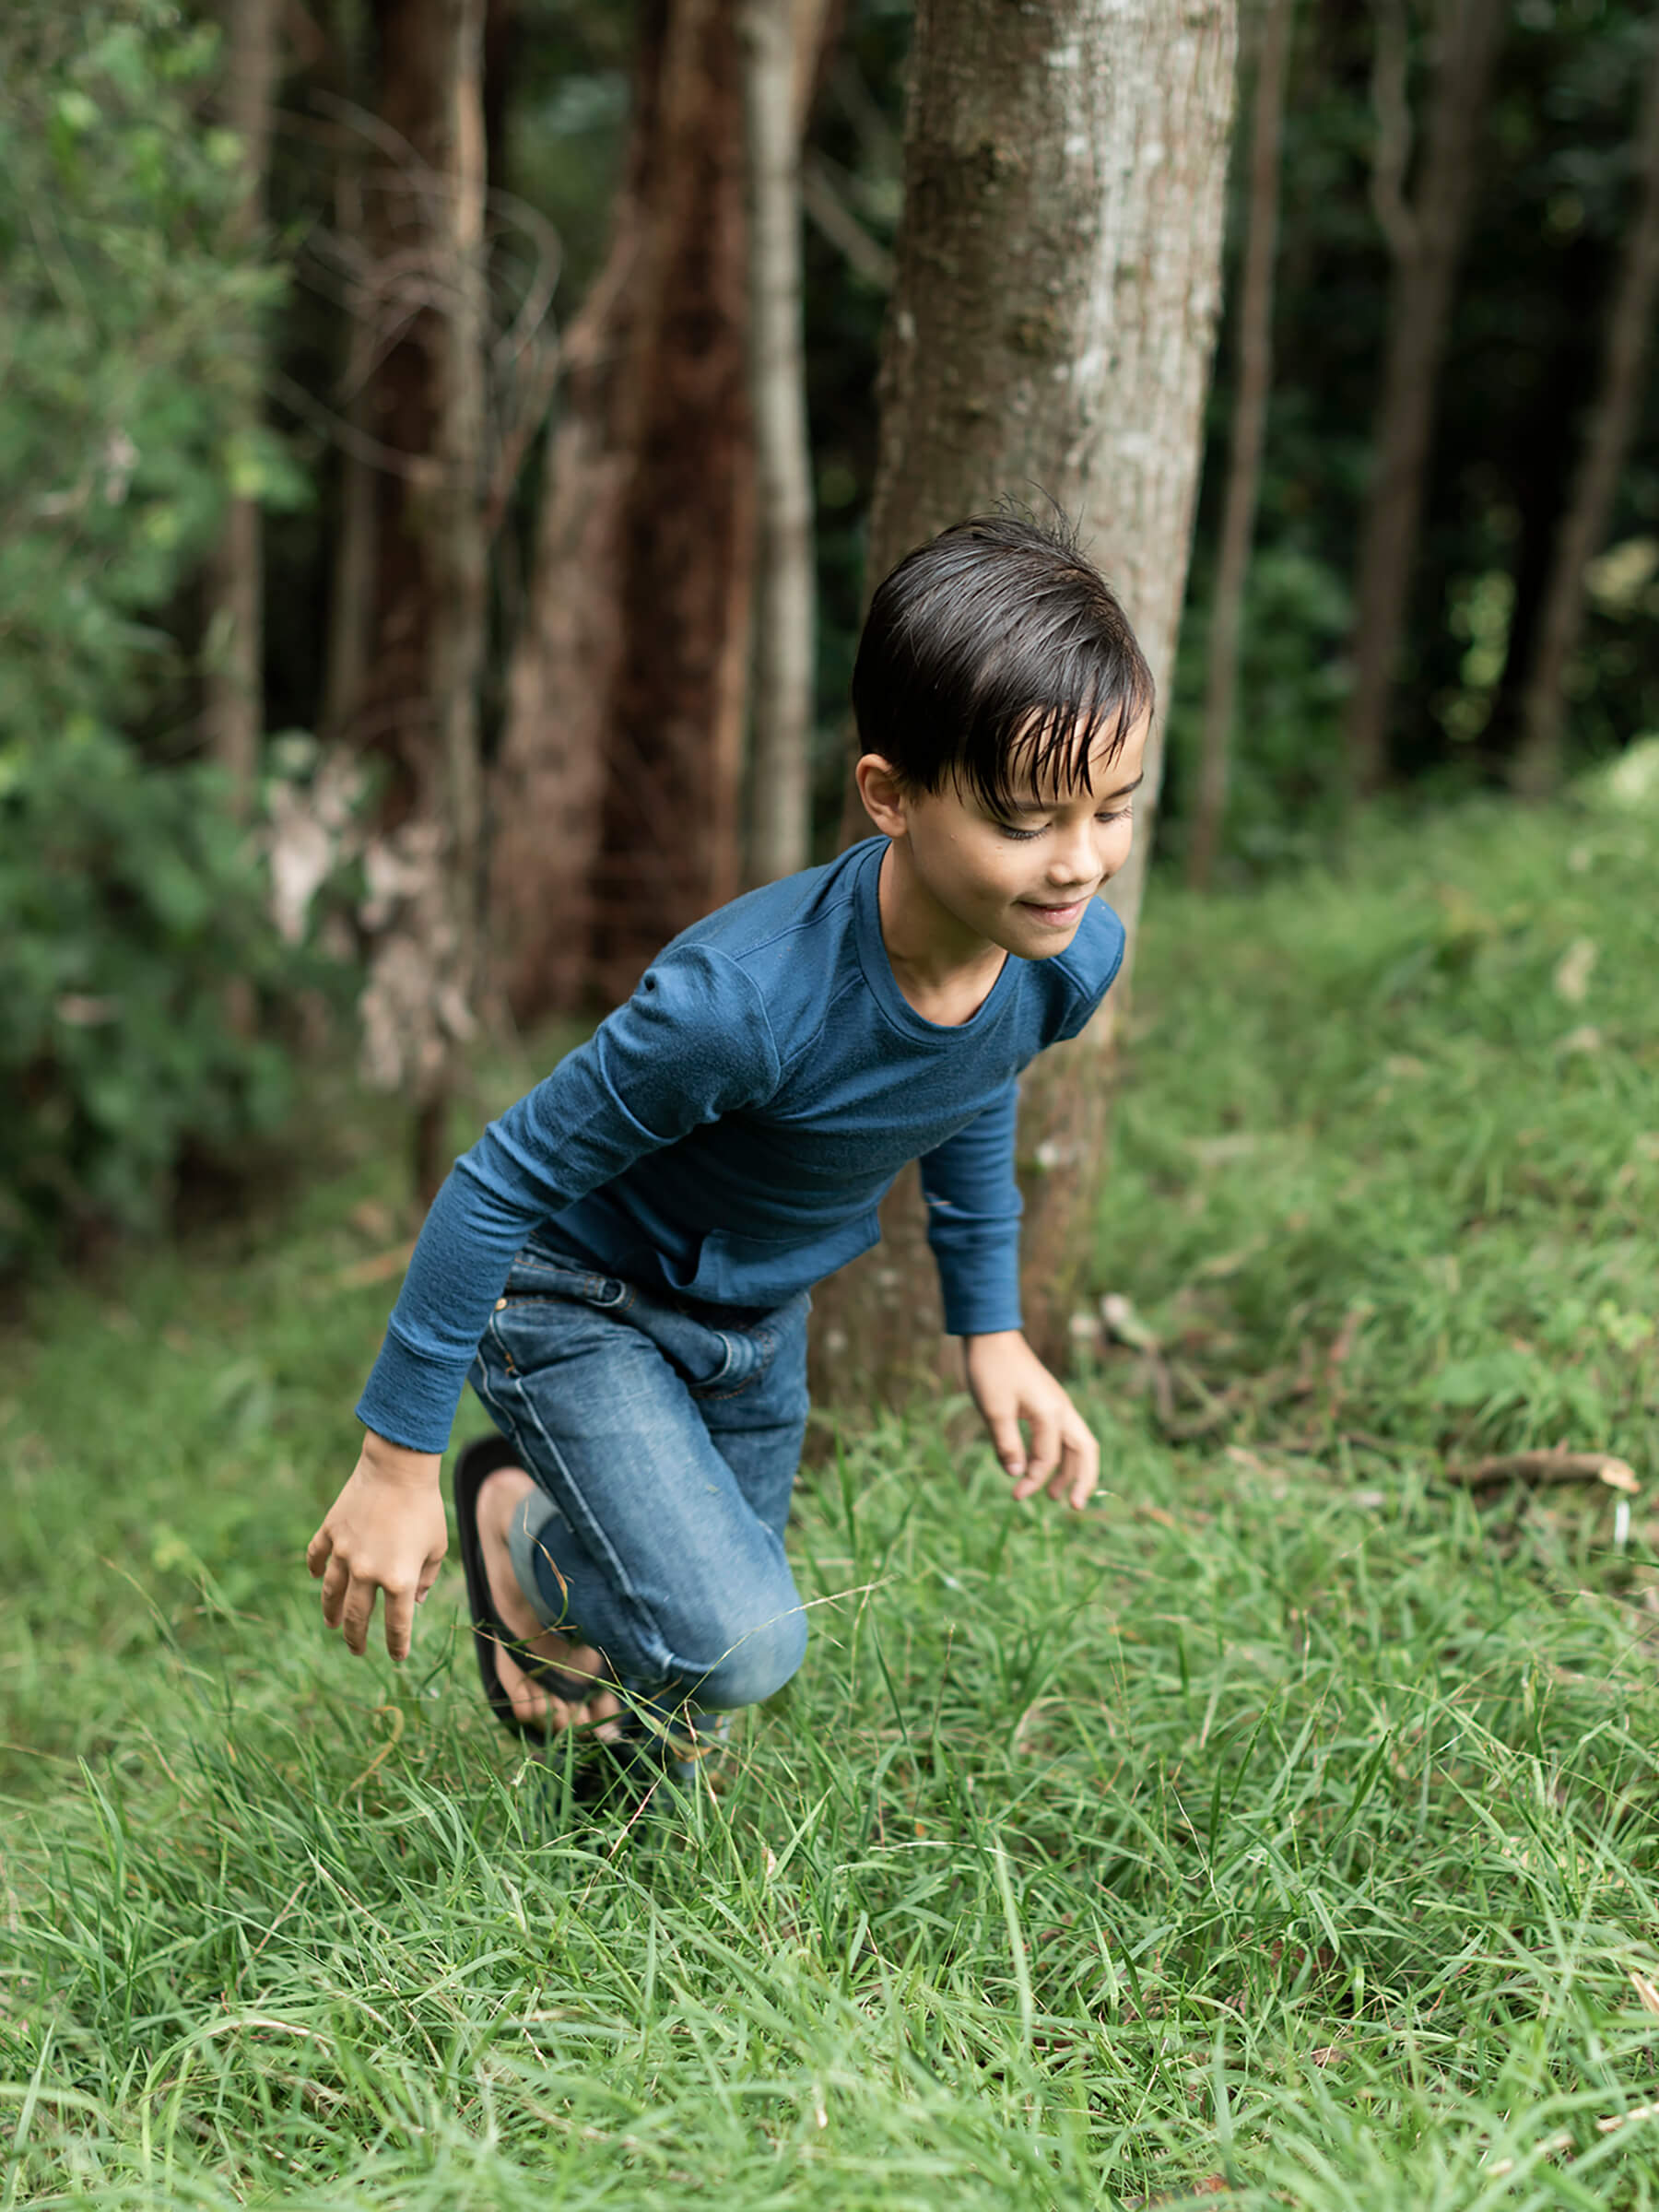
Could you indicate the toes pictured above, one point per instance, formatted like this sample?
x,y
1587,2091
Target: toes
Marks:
x,y
530,1702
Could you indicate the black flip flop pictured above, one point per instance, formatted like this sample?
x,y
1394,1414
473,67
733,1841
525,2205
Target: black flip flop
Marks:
x,y
478,1461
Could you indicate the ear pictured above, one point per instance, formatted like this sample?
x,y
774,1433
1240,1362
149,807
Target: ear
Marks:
x,y
884,794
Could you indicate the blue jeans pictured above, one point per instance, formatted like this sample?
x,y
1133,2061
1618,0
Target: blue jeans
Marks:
x,y
665,1437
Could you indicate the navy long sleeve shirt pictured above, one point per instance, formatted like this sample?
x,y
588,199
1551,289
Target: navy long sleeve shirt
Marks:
x,y
729,1134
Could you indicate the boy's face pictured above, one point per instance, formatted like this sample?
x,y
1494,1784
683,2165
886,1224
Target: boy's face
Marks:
x,y
1019,877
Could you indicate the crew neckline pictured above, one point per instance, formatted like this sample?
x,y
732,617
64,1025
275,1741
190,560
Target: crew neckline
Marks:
x,y
879,969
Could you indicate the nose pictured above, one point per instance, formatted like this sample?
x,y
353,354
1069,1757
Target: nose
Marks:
x,y
1073,861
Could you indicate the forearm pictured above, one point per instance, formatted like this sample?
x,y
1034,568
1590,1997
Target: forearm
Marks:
x,y
973,1216
459,1265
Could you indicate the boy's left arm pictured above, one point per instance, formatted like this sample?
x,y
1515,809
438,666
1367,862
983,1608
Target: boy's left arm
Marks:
x,y
1038,1435
973,1226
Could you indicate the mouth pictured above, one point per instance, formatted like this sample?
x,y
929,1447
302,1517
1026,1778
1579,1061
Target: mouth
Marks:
x,y
1057,917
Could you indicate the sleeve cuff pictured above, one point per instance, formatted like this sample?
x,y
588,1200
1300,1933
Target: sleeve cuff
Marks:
x,y
410,1400
983,1306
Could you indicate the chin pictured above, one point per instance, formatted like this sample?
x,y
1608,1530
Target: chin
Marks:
x,y
1044,944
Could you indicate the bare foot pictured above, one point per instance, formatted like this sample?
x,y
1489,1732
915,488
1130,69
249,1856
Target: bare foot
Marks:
x,y
499,1496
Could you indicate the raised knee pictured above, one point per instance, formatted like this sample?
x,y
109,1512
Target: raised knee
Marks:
x,y
755,1658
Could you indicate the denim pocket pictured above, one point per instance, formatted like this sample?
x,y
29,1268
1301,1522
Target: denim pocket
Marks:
x,y
745,1354
537,1275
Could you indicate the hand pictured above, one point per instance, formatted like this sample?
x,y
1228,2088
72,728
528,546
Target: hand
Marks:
x,y
1017,1397
386,1532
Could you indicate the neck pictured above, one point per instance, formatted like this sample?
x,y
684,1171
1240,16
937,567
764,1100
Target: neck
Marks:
x,y
943,969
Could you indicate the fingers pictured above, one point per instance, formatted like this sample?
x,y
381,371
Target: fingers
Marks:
x,y
428,1575
357,1610
348,1604
1079,1468
1044,1452
318,1550
1007,1443
400,1622
336,1579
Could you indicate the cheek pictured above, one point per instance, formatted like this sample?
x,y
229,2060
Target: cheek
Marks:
x,y
1115,840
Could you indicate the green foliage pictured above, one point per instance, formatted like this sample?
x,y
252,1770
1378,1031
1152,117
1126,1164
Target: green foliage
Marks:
x,y
124,324
1408,1108
129,904
1287,795
1285,1821
127,899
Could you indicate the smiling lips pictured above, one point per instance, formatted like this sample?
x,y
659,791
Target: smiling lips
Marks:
x,y
1058,917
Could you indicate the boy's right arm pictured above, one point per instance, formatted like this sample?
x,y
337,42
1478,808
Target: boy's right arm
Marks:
x,y
693,1043
385,1531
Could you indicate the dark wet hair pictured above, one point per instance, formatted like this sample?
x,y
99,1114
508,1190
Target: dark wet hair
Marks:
x,y
996,657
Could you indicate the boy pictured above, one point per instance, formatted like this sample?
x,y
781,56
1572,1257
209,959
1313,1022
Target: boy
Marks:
x,y
623,1261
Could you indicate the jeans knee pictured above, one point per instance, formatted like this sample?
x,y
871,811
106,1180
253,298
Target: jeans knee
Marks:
x,y
756,1658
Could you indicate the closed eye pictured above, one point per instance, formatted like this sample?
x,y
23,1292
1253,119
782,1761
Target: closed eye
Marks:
x,y
1023,836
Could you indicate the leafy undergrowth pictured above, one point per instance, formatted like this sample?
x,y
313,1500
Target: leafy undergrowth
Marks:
x,y
1388,1147
1279,1831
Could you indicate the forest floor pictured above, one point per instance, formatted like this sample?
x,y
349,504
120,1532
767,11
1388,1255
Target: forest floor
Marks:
x,y
1281,1830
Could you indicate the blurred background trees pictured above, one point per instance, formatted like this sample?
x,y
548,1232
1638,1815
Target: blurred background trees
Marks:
x,y
400,480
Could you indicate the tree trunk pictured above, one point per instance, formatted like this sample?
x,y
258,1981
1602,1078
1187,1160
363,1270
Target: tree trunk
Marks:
x,y
782,39
1425,238
1607,440
1249,423
351,571
1539,478
233,692
425,221
1050,335
627,699
549,778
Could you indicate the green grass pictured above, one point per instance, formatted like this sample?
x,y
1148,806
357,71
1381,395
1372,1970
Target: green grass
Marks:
x,y
1283,1825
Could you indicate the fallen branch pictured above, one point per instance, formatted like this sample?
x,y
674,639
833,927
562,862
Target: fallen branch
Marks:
x,y
1547,1467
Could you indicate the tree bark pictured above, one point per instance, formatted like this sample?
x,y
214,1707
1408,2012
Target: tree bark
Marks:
x,y
1612,423
618,788
562,676
1050,335
1425,238
782,39
419,710
1249,425
233,691
351,571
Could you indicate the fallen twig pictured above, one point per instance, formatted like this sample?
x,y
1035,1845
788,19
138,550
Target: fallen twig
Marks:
x,y
1547,1467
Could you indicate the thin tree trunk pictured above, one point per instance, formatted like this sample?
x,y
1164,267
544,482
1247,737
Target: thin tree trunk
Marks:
x,y
1427,241
419,707
1249,425
233,692
616,798
1050,335
351,574
668,846
1540,477
782,39
1607,441
549,778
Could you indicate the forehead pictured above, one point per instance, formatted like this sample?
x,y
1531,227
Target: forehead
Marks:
x,y
1049,761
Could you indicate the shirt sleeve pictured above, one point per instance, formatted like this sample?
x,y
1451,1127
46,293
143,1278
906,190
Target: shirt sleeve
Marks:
x,y
693,1043
974,1209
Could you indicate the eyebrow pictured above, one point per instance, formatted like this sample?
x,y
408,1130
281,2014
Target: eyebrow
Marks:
x,y
1044,806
